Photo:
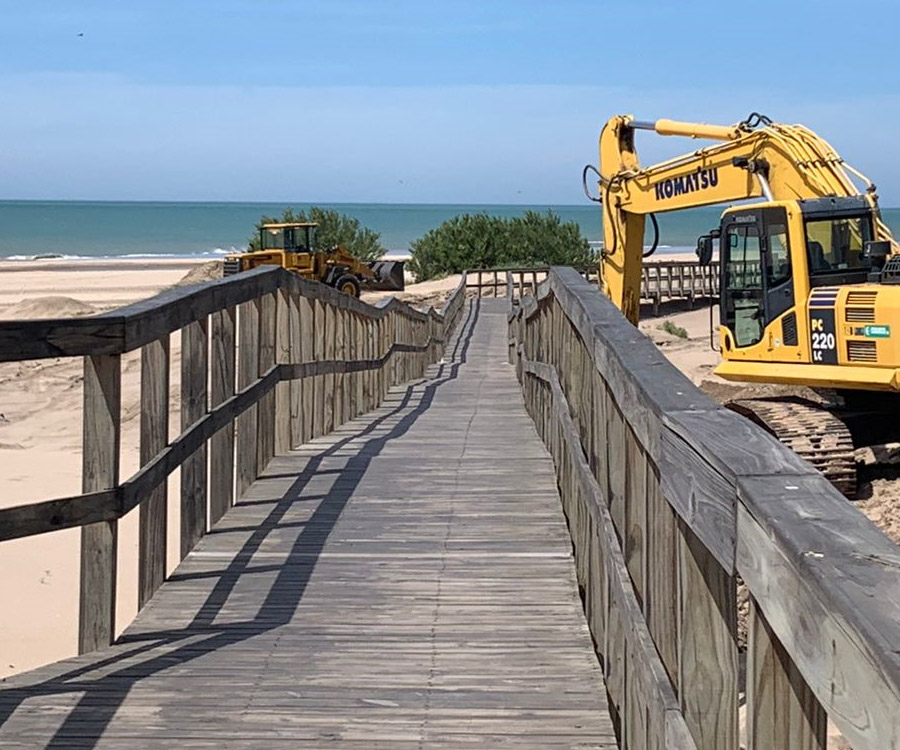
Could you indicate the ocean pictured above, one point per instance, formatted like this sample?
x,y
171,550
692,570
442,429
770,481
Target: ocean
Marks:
x,y
89,229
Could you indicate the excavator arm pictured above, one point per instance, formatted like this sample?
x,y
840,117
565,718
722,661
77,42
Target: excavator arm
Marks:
x,y
755,158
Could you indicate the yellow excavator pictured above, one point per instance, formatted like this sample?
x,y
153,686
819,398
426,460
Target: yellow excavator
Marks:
x,y
292,246
809,273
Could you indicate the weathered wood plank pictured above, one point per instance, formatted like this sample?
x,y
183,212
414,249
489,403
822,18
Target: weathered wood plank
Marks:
x,y
248,370
100,470
329,335
223,372
319,394
152,520
827,582
265,425
708,673
782,712
194,485
282,413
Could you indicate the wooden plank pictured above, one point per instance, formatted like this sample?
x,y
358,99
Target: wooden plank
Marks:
x,y
319,394
194,375
222,385
297,436
265,425
152,519
708,638
615,430
100,470
661,603
330,340
339,401
282,437
248,370
307,354
635,536
782,712
826,580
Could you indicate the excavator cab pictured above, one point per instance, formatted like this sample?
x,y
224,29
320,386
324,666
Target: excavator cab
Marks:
x,y
784,259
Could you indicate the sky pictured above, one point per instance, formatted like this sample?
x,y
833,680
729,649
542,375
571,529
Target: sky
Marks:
x,y
410,101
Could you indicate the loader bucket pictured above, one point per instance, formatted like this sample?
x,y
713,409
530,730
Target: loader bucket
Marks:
x,y
388,275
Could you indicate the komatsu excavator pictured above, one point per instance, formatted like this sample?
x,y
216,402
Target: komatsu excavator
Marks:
x,y
809,273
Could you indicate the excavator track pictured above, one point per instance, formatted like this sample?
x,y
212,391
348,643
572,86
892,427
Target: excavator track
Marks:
x,y
809,429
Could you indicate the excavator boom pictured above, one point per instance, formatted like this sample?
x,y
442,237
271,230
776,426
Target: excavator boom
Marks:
x,y
754,159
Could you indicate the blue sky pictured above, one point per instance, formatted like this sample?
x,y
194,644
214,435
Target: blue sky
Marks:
x,y
459,101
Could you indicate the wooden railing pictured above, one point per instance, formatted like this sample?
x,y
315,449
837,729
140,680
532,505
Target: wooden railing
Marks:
x,y
661,281
269,361
678,279
674,504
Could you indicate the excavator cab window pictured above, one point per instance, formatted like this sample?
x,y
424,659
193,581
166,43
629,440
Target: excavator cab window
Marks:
x,y
758,278
835,245
743,306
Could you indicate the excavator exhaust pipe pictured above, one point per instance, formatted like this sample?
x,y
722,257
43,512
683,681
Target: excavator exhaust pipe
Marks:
x,y
388,276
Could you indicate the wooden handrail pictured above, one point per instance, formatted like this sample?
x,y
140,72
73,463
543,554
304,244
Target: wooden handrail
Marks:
x,y
699,498
269,360
131,327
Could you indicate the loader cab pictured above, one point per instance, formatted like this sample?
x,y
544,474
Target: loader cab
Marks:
x,y
763,253
296,237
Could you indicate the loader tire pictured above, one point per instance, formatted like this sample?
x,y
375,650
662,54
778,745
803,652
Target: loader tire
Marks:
x,y
348,284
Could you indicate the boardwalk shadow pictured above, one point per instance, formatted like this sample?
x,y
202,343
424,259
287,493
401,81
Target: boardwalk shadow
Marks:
x,y
134,659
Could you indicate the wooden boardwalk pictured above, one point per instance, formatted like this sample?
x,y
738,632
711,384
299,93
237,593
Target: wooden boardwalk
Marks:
x,y
405,582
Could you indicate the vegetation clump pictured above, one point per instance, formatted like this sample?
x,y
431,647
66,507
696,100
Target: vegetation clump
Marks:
x,y
669,327
482,241
334,228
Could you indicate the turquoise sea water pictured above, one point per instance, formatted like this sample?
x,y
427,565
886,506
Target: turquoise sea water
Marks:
x,y
109,229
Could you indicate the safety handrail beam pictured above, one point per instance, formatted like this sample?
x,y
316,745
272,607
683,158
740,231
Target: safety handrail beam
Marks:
x,y
824,582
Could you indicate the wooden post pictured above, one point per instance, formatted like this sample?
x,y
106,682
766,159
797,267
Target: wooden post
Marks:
x,y
708,657
221,445
248,367
340,380
330,334
282,389
318,337
194,348
265,426
782,712
100,471
152,517
297,436
307,354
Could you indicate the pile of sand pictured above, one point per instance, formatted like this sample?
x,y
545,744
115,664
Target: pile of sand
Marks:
x,y
211,271
47,307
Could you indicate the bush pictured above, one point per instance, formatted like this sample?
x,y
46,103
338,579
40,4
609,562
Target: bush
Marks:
x,y
334,229
482,241
676,330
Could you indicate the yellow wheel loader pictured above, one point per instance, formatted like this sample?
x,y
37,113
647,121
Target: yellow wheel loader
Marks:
x,y
809,274
292,246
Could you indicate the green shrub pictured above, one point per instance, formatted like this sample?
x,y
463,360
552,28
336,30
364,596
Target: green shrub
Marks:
x,y
483,241
334,229
669,327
